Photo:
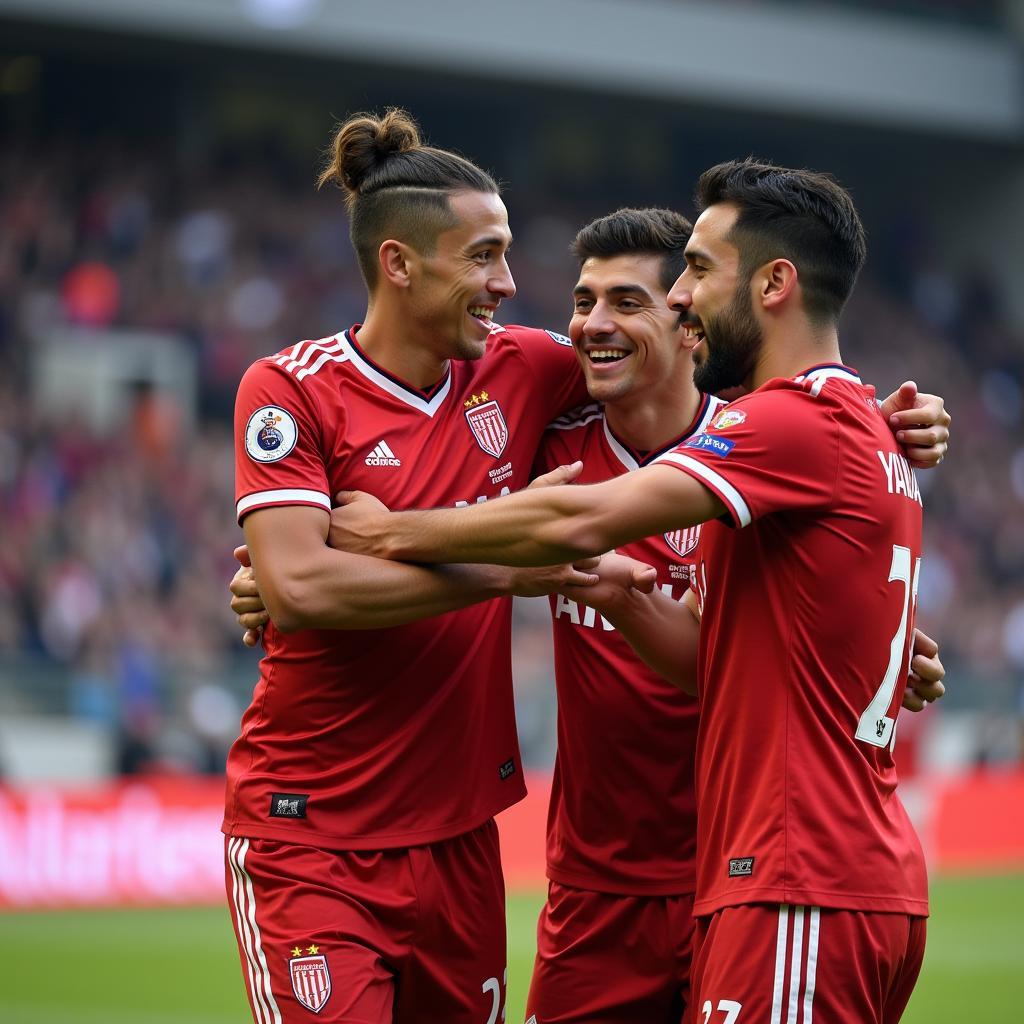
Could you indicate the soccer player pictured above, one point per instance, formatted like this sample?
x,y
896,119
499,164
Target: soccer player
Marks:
x,y
362,856
621,830
811,888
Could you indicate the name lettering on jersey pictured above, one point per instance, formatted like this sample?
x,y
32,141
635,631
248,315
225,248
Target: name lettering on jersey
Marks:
x,y
382,455
501,473
481,498
741,867
684,573
288,805
899,476
507,769
270,434
583,615
487,422
706,443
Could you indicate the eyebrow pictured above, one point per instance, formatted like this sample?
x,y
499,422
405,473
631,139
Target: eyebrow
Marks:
x,y
490,241
617,290
696,256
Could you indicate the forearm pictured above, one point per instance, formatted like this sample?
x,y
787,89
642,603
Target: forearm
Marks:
x,y
546,526
663,632
344,591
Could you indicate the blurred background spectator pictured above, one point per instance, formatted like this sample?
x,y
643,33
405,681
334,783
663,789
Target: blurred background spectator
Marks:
x,y
159,231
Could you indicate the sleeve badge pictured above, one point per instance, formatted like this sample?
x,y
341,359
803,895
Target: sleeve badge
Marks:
x,y
270,434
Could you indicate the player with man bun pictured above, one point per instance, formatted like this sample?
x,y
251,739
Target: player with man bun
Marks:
x,y
362,856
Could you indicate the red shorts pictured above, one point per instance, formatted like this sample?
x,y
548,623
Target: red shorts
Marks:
x,y
613,959
410,935
798,965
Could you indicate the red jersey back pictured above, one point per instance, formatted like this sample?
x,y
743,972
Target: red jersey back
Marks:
x,y
622,817
808,607
369,739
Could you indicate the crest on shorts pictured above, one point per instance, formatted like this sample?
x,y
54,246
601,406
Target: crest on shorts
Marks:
x,y
682,542
311,979
487,422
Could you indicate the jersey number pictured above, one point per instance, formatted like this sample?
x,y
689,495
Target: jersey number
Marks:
x,y
729,1007
492,985
876,725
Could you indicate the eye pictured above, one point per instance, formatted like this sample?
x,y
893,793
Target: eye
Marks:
x,y
629,305
582,305
482,257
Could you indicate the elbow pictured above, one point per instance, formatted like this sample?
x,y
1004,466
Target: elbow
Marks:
x,y
291,607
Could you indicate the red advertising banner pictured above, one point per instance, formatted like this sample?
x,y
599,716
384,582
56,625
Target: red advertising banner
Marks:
x,y
157,841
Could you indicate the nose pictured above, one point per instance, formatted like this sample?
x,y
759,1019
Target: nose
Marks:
x,y
598,322
501,283
679,297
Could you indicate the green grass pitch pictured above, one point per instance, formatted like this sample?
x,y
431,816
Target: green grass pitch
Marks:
x,y
180,966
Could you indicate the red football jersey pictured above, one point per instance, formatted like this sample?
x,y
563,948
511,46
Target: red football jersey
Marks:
x,y
808,613
622,817
369,739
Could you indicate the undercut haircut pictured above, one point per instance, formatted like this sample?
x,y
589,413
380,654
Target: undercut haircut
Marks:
x,y
631,232
395,186
803,216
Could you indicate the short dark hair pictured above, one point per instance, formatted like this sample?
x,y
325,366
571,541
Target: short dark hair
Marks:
x,y
798,215
627,232
395,186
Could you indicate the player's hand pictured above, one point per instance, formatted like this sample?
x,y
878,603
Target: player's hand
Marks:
x,y
560,475
553,579
356,522
924,684
246,602
920,423
619,578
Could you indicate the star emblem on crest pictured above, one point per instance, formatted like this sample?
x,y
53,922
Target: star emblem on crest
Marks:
x,y
476,400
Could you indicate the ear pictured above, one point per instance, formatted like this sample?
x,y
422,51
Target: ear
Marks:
x,y
778,282
395,259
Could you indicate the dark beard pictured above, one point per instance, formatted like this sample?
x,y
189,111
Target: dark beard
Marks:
x,y
729,361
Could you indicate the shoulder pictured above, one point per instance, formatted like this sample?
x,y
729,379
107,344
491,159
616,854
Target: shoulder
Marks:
x,y
305,360
534,342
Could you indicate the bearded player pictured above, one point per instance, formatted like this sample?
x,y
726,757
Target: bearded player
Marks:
x,y
621,831
811,897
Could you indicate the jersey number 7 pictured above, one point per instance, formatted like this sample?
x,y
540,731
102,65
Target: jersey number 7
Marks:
x,y
876,725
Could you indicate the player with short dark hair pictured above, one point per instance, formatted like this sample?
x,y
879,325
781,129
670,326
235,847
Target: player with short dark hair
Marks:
x,y
362,855
811,888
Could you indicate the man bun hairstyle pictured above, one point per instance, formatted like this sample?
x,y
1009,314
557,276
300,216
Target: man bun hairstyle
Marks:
x,y
632,232
396,186
803,216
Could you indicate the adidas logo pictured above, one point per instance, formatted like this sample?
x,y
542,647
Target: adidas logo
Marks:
x,y
382,455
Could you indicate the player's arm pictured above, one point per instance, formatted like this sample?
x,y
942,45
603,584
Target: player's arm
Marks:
x,y
535,527
307,585
663,632
920,423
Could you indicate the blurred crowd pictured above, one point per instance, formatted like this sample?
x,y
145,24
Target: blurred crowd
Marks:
x,y
117,539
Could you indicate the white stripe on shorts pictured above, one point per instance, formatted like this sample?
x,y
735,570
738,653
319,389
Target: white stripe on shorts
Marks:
x,y
803,964
265,1006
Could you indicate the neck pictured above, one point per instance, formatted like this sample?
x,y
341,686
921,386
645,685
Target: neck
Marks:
x,y
790,348
650,421
393,342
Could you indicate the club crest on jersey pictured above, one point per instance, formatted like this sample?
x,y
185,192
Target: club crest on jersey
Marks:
x,y
728,418
486,420
682,542
270,434
311,977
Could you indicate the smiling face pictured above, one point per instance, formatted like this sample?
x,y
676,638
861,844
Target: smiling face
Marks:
x,y
715,302
457,287
627,339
